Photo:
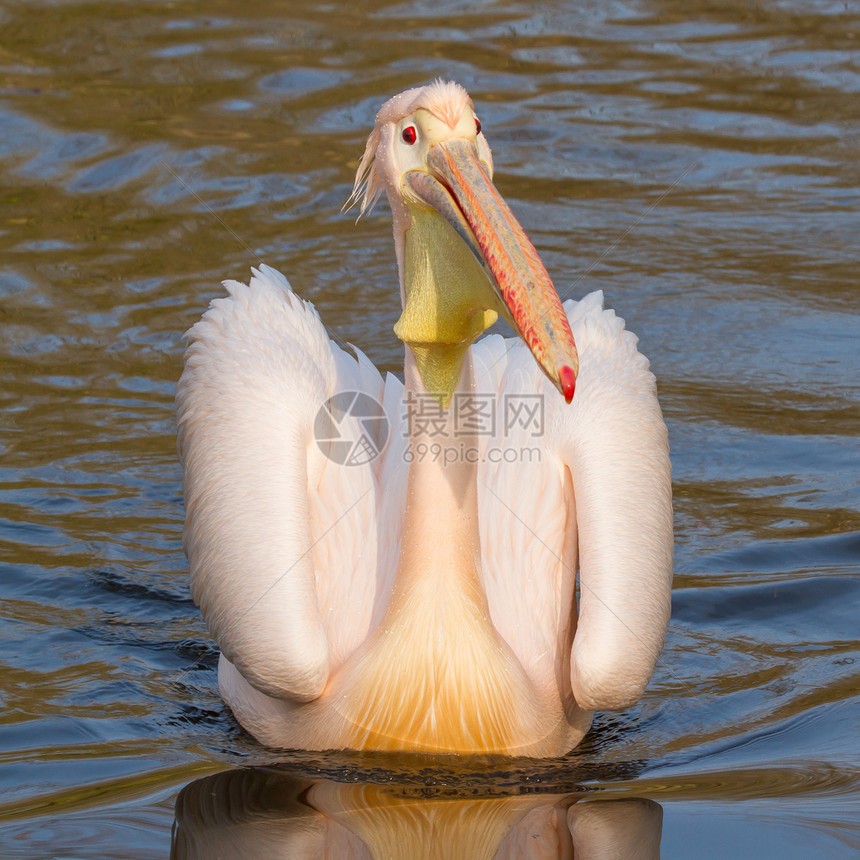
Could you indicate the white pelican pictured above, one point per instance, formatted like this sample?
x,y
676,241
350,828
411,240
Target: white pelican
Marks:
x,y
425,600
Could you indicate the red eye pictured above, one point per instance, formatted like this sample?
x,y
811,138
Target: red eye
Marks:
x,y
409,134
478,124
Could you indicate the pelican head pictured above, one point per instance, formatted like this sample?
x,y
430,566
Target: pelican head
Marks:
x,y
463,257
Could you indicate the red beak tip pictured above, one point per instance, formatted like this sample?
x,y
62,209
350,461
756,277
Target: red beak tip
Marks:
x,y
567,379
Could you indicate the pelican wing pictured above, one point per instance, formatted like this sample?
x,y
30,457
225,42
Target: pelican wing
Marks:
x,y
588,485
281,540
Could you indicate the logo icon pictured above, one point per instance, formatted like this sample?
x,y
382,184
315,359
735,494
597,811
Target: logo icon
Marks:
x,y
351,428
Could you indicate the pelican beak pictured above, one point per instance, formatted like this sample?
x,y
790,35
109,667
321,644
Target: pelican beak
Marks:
x,y
457,186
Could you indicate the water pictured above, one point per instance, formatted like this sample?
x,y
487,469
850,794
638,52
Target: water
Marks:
x,y
702,167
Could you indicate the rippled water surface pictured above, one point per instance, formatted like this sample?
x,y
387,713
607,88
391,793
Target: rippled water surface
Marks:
x,y
698,162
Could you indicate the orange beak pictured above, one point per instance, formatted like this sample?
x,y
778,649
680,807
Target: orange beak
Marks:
x,y
459,189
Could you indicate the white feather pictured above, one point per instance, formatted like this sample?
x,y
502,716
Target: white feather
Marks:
x,y
293,557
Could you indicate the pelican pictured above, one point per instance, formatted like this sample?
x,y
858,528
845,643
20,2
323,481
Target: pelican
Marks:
x,y
424,599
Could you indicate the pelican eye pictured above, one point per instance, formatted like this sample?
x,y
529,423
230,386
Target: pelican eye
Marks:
x,y
478,125
409,134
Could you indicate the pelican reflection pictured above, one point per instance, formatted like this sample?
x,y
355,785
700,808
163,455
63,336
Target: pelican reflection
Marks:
x,y
271,813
